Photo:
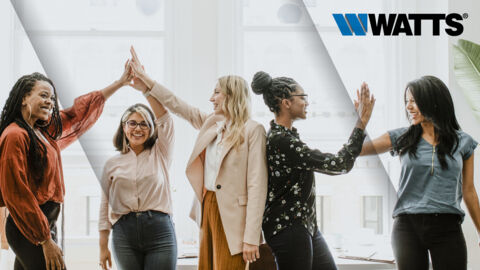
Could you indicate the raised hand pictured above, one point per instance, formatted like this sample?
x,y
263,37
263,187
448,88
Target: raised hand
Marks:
x,y
364,105
136,82
141,81
355,101
127,75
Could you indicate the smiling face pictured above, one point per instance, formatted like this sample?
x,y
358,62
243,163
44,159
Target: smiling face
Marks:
x,y
217,99
298,104
38,104
137,130
414,113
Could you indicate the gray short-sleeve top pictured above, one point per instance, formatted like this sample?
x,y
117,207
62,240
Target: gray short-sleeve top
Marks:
x,y
424,187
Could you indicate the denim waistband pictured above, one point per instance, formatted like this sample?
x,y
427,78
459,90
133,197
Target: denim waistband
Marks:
x,y
448,217
149,213
429,215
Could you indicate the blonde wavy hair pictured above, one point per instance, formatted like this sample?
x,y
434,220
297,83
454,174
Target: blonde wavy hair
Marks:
x,y
236,106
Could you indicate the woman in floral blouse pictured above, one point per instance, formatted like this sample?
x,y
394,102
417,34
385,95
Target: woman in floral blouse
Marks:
x,y
289,221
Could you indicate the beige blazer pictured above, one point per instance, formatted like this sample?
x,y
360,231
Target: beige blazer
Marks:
x,y
241,184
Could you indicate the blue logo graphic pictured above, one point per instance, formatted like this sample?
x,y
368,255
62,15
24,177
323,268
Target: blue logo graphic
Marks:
x,y
352,23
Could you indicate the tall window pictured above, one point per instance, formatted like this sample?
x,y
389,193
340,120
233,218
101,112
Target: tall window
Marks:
x,y
324,209
92,49
372,216
92,208
91,45
279,37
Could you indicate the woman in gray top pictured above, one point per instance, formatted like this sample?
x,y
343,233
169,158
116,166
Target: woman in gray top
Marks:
x,y
436,172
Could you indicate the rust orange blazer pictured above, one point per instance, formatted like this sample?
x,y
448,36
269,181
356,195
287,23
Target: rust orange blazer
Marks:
x,y
242,178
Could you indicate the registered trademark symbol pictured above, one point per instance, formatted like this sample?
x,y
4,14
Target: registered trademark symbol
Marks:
x,y
465,15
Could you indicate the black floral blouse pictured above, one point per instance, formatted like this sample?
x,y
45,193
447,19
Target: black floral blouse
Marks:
x,y
291,183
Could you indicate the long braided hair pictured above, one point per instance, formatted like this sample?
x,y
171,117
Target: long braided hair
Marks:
x,y
12,113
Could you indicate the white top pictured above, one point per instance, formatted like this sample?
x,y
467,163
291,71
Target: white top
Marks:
x,y
212,158
134,183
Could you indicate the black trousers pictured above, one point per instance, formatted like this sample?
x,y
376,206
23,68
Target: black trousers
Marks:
x,y
294,248
28,255
416,236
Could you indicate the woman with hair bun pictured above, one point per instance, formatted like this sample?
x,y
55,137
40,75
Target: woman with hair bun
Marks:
x,y
436,172
290,222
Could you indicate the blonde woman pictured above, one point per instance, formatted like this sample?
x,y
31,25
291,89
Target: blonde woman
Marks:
x,y
227,170
136,202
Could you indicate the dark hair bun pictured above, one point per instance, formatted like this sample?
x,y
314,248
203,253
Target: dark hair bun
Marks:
x,y
261,82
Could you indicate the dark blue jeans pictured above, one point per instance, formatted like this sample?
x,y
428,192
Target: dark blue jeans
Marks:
x,y
145,240
415,236
294,248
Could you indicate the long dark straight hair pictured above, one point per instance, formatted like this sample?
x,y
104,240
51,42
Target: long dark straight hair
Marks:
x,y
12,113
436,105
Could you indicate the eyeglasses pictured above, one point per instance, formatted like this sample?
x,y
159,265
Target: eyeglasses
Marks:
x,y
133,124
304,96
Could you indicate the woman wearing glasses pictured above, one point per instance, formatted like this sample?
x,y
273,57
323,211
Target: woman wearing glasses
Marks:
x,y
227,170
290,222
136,201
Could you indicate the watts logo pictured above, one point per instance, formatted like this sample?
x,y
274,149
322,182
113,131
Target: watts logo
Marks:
x,y
396,24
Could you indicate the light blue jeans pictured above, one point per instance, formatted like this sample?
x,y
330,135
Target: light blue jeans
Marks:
x,y
145,240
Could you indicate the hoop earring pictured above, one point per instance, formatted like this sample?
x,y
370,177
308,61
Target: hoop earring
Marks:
x,y
30,111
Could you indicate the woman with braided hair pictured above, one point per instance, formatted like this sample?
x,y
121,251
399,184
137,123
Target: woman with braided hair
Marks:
x,y
290,222
33,130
